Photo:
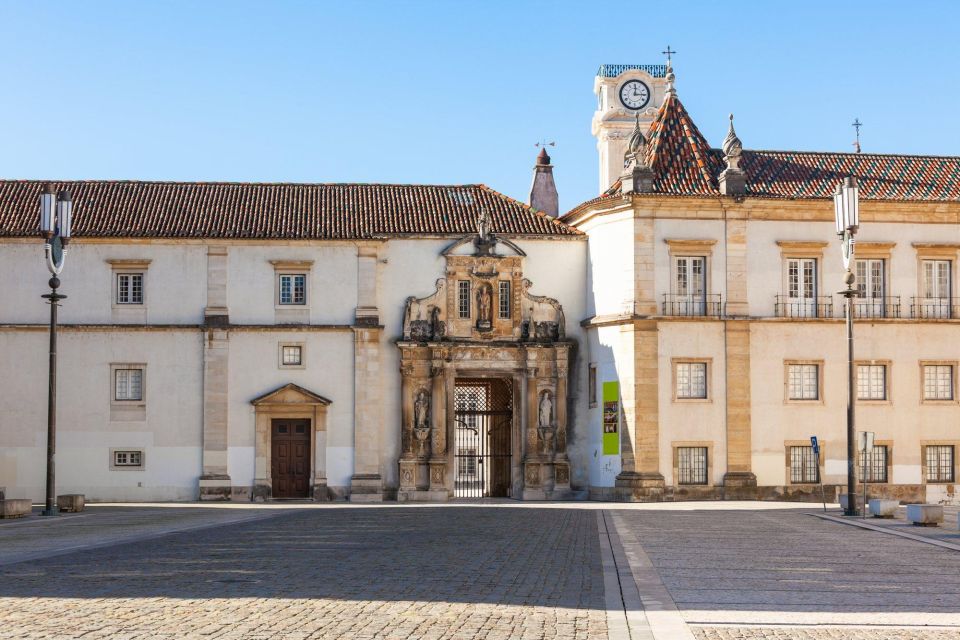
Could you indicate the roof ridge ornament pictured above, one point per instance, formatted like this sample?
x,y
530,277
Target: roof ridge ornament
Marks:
x,y
636,146
732,148
856,125
671,78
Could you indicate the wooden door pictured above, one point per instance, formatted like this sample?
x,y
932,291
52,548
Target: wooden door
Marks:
x,y
290,458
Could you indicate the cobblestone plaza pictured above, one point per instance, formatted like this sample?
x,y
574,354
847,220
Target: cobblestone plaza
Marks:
x,y
489,570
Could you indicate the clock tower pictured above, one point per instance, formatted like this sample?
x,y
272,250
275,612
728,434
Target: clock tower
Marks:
x,y
623,91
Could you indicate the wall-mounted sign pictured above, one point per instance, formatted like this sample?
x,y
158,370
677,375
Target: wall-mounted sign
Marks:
x,y
611,418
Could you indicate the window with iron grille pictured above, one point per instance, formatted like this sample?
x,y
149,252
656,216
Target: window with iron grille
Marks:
x,y
467,462
691,465
504,298
939,459
873,467
803,381
128,384
871,382
803,465
292,355
938,382
463,298
127,458
129,288
691,380
293,288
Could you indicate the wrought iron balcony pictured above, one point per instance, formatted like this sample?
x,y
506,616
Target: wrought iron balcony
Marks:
x,y
683,305
819,307
886,307
933,308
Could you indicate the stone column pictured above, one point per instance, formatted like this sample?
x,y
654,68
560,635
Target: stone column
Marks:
x,y
739,437
215,481
561,471
532,474
442,424
408,463
366,483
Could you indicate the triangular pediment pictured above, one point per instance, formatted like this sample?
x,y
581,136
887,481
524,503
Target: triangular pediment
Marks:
x,y
290,394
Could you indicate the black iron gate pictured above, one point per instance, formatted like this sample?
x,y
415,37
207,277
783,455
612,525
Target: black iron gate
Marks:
x,y
482,448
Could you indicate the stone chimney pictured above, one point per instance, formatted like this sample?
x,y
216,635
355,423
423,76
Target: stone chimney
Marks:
x,y
543,191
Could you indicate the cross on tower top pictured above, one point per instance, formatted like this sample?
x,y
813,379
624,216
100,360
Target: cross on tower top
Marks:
x,y
669,53
856,125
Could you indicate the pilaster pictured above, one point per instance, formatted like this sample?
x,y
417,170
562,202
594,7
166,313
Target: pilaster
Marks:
x,y
215,481
366,485
216,313
739,444
736,254
645,301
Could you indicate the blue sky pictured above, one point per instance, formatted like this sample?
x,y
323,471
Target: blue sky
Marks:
x,y
448,92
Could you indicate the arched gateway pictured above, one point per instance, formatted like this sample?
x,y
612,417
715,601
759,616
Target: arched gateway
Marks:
x,y
484,367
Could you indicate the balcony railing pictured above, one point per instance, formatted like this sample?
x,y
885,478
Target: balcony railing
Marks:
x,y
935,308
819,307
886,307
681,305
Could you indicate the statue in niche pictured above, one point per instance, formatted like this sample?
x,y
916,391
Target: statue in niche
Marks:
x,y
483,225
421,419
484,307
545,427
546,410
437,328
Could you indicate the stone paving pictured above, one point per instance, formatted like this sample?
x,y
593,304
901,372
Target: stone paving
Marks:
x,y
729,572
711,571
453,572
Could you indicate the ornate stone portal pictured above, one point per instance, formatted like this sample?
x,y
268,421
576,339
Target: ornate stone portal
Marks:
x,y
482,321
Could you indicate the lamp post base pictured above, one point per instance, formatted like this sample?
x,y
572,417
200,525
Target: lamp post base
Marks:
x,y
53,511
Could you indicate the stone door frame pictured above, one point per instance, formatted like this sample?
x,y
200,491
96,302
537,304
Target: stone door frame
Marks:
x,y
289,402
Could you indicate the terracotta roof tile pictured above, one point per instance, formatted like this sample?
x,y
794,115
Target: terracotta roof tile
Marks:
x,y
273,210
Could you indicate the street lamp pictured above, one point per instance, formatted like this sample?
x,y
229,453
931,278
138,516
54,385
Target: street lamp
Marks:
x,y
846,203
55,213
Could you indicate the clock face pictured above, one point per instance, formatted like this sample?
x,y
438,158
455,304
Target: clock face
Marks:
x,y
634,94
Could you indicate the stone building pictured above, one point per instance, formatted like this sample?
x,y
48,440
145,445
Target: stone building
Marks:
x,y
676,337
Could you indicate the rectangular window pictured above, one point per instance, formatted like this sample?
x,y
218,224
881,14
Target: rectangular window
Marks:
x,y
870,278
873,467
503,295
128,458
129,288
936,292
691,465
467,463
871,382
803,382
592,385
692,380
128,384
293,288
463,298
938,382
292,355
803,465
939,462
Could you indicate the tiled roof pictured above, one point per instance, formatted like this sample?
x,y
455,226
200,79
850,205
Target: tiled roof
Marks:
x,y
678,153
271,210
684,165
613,70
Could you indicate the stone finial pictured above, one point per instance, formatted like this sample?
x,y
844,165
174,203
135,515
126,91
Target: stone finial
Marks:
x,y
671,78
732,148
637,143
732,181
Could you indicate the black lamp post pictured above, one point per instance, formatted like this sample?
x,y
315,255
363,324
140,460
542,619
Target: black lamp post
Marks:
x,y
846,202
55,212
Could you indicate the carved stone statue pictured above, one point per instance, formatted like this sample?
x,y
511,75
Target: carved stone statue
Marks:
x,y
546,410
421,410
484,307
483,225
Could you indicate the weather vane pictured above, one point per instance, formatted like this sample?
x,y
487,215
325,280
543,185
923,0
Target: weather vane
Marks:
x,y
669,53
856,125
544,143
